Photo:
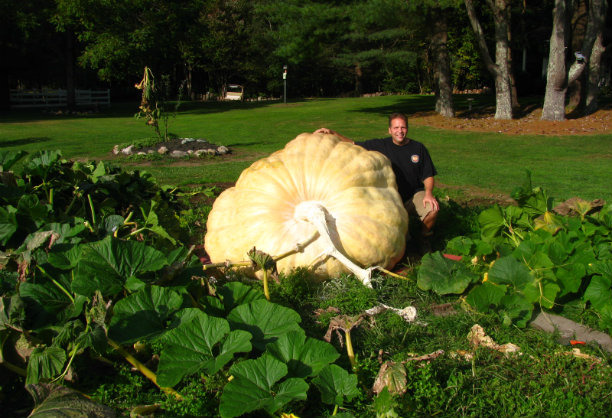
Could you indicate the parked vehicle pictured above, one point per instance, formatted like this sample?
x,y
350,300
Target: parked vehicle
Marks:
x,y
234,92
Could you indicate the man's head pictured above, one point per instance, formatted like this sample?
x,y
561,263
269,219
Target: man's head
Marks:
x,y
398,128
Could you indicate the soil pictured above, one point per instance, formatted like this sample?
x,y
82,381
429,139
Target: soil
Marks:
x,y
527,122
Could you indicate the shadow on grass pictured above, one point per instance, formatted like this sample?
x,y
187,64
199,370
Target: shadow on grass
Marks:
x,y
23,141
129,109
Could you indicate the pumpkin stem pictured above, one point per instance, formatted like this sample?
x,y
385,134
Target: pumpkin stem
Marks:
x,y
316,214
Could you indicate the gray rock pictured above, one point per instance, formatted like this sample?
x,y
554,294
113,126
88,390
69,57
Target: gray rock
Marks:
x,y
162,150
222,150
178,154
569,329
128,150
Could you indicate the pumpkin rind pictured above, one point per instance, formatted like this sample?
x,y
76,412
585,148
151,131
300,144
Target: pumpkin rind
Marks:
x,y
356,187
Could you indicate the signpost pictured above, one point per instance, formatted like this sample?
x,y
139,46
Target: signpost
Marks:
x,y
284,84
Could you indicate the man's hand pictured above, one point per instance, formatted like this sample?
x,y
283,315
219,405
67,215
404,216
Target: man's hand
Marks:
x,y
429,199
331,132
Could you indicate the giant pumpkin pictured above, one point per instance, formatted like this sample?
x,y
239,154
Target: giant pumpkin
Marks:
x,y
337,198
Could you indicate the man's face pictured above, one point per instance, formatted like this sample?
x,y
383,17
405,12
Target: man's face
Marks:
x,y
398,131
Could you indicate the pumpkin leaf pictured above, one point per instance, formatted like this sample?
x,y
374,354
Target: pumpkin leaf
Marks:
x,y
236,293
144,314
45,363
392,377
106,265
509,271
304,356
257,385
204,343
52,401
486,296
443,276
266,321
336,385
8,223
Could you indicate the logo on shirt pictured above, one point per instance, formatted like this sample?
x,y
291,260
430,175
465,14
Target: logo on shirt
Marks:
x,y
414,158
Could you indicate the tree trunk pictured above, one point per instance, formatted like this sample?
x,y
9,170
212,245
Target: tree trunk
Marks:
x,y
358,74
501,68
556,81
593,50
442,74
594,75
69,67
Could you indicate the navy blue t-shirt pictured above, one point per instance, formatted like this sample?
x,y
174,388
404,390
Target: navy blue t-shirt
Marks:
x,y
411,163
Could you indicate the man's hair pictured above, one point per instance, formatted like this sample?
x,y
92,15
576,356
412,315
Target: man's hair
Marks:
x,y
398,115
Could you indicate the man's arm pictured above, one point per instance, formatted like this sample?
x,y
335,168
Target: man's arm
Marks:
x,y
429,197
330,132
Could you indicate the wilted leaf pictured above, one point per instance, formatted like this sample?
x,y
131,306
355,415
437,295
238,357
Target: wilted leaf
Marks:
x,y
392,376
53,401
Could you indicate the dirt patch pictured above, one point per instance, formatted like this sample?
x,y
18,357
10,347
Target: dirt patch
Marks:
x,y
527,122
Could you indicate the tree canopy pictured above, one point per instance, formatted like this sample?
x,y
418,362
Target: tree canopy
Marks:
x,y
331,48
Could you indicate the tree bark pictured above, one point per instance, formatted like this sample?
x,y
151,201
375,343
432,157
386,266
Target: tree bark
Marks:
x,y
556,78
442,74
593,50
69,67
500,69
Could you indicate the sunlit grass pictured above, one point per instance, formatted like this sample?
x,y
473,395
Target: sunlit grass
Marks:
x,y
565,166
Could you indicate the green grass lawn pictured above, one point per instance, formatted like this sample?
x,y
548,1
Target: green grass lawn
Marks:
x,y
466,161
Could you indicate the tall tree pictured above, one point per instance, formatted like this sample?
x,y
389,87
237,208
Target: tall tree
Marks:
x,y
436,13
588,58
501,68
593,48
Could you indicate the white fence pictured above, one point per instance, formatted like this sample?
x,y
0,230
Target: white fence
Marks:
x,y
58,98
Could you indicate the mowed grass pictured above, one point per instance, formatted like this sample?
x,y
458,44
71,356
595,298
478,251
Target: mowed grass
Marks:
x,y
489,163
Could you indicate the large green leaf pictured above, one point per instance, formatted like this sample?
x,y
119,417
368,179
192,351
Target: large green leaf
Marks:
x,y
45,363
236,293
543,292
460,246
53,401
491,222
486,296
8,158
8,223
513,308
106,265
144,314
443,276
266,321
599,292
47,301
508,270
303,355
336,385
204,343
12,312
255,387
